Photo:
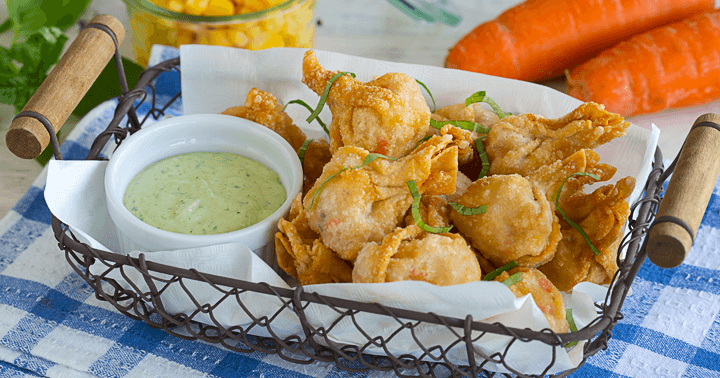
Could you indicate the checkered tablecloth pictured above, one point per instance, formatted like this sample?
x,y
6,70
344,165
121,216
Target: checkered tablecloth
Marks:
x,y
52,325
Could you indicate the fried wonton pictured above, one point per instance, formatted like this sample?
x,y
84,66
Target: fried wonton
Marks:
x,y
351,203
413,254
387,115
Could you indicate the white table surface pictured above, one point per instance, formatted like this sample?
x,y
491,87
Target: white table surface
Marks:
x,y
367,28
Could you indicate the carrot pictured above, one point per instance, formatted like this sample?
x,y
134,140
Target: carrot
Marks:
x,y
671,66
540,39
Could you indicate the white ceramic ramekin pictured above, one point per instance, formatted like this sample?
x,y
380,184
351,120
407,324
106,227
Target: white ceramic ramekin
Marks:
x,y
196,133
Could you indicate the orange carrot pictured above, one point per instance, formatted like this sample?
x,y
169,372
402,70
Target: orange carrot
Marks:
x,y
672,66
540,39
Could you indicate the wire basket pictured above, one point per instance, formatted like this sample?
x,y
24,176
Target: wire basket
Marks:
x,y
142,300
316,343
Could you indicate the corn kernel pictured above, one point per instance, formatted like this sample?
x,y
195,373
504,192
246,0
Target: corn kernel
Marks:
x,y
175,5
220,8
214,37
272,25
196,7
238,38
266,40
252,6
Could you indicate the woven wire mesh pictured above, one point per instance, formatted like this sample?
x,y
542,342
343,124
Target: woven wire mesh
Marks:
x,y
136,286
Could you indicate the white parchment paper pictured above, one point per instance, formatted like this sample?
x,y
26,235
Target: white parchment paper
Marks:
x,y
215,78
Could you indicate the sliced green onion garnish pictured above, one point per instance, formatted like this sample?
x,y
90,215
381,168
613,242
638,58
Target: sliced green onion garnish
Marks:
x,y
482,97
368,159
468,210
323,98
465,125
412,185
573,327
428,91
303,103
512,280
301,153
483,156
491,276
573,224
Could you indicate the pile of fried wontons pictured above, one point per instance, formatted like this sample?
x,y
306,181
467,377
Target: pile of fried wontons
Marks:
x,y
359,220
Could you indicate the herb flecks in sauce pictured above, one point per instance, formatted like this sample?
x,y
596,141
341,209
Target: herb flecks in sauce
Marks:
x,y
204,193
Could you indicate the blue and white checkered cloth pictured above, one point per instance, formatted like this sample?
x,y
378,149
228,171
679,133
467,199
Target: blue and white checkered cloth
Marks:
x,y
52,325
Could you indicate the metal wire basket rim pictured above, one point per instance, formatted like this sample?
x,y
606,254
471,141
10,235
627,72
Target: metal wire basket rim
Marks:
x,y
549,338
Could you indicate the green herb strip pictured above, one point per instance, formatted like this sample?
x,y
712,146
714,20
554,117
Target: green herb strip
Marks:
x,y
422,140
303,103
573,327
512,280
412,185
573,224
429,93
301,153
482,97
368,159
465,125
324,96
468,210
483,156
491,276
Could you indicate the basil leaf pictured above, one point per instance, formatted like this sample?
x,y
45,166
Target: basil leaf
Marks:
x,y
412,185
303,103
428,91
483,97
573,224
324,96
468,210
31,15
465,125
512,280
491,276
483,156
301,152
573,327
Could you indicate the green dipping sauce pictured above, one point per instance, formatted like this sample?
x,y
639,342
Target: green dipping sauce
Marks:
x,y
204,193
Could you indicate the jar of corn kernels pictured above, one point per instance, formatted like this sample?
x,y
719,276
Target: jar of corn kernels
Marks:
x,y
248,24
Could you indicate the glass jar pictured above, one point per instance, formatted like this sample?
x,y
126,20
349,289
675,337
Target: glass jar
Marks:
x,y
287,24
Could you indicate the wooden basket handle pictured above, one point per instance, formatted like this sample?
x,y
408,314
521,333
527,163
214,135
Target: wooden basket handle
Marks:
x,y
688,194
64,87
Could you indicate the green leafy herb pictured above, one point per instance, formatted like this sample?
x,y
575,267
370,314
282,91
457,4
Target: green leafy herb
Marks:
x,y
573,327
428,91
24,66
482,97
368,159
323,98
512,280
573,224
301,152
491,276
412,185
422,140
483,156
465,125
468,210
303,103
29,16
